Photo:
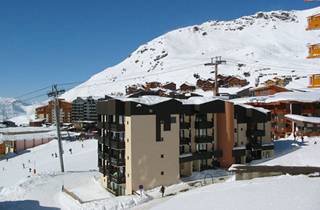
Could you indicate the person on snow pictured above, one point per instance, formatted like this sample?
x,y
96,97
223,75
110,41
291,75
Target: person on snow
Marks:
x,y
162,190
70,150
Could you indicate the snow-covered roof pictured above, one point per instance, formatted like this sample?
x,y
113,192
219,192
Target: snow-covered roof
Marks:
x,y
260,109
294,117
198,100
25,129
307,97
28,136
147,100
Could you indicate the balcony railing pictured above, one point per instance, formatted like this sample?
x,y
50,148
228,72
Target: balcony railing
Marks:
x,y
217,153
203,124
118,179
240,151
185,140
185,125
116,127
254,133
117,161
204,139
202,155
115,143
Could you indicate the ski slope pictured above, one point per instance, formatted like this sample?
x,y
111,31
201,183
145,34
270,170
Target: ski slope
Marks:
x,y
269,44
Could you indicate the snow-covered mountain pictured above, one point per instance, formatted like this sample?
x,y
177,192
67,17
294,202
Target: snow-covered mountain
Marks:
x,y
268,44
10,107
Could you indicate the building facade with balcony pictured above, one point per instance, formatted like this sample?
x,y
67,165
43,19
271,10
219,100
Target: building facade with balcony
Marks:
x,y
152,141
84,109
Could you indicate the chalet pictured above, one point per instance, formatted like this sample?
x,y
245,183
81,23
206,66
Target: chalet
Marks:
x,y
231,81
150,85
187,87
267,90
169,86
205,85
37,122
133,88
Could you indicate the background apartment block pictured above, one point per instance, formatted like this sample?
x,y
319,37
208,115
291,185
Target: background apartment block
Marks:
x,y
153,141
84,109
47,112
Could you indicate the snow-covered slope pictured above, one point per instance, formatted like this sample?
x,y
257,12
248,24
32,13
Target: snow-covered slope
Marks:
x,y
10,107
282,192
267,43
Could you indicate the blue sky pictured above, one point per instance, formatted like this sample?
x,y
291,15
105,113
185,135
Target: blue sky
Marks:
x,y
44,42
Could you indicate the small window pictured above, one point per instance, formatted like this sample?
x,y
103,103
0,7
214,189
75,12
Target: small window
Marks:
x,y
128,140
128,175
241,129
127,157
128,122
162,173
173,120
162,155
235,130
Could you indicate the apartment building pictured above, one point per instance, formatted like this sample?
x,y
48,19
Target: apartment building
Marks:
x,y
152,141
282,126
84,109
47,112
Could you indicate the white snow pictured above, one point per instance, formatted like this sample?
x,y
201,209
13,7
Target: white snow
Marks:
x,y
271,45
283,192
295,153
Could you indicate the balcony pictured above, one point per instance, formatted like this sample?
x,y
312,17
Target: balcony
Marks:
x,y
116,127
203,124
269,146
117,161
185,125
101,155
185,157
217,153
185,140
118,179
116,143
238,151
200,155
100,124
204,139
254,133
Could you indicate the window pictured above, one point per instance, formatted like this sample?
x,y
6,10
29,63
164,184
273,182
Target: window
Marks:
x,y
173,120
128,175
121,119
201,147
162,173
162,156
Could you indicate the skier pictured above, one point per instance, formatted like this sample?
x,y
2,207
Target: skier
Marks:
x,y
70,150
162,189
30,170
52,155
23,166
55,154
82,145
